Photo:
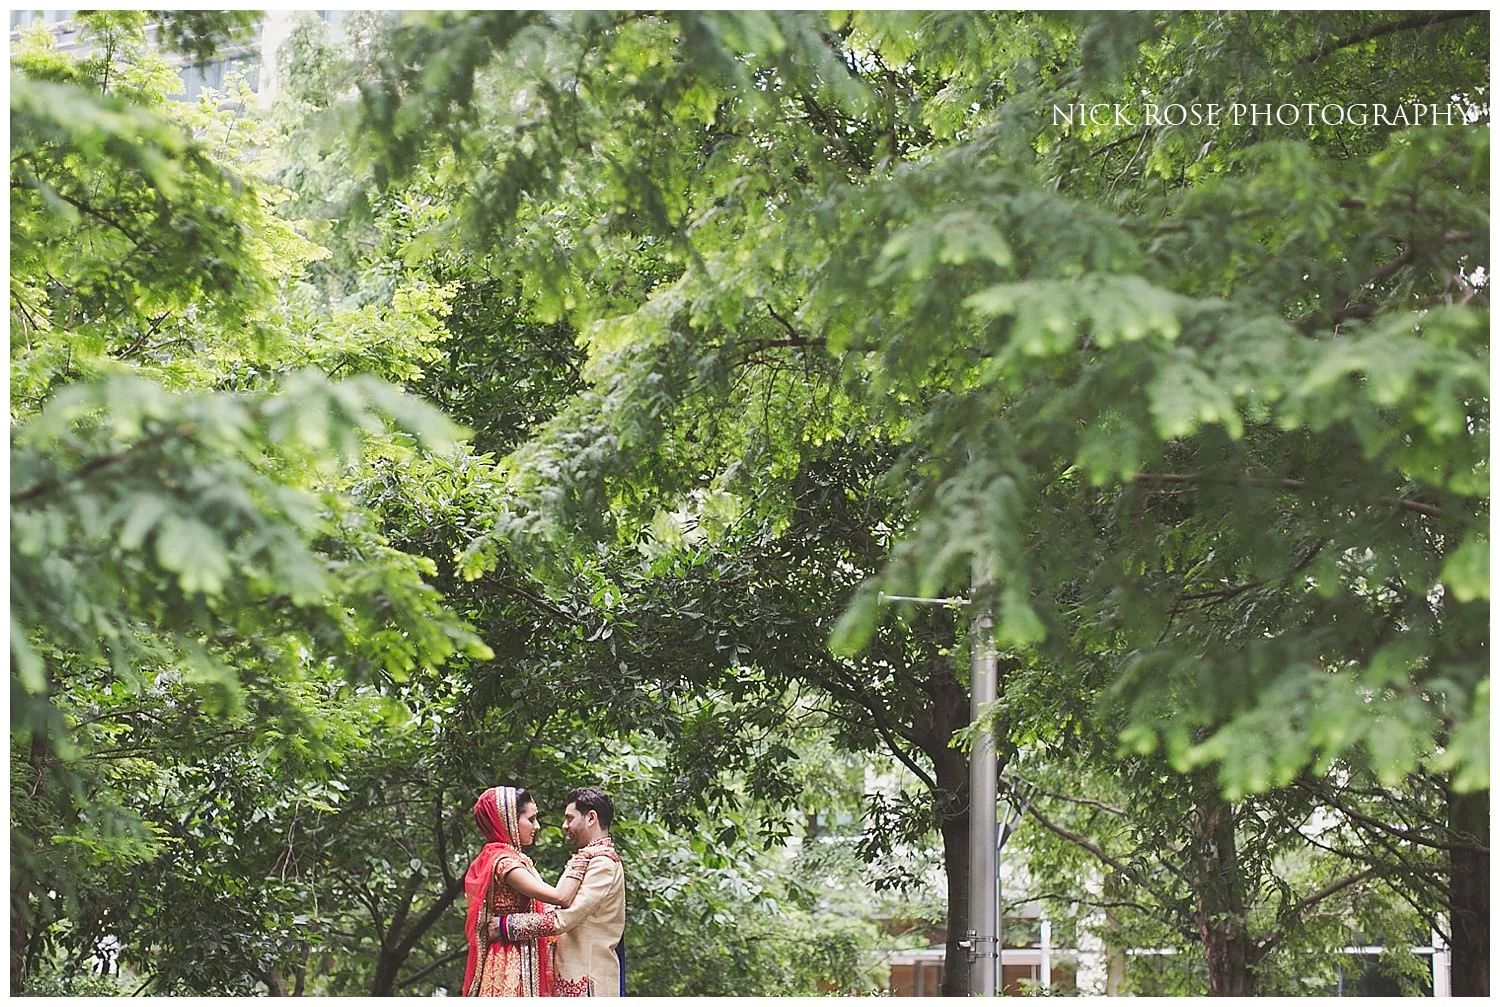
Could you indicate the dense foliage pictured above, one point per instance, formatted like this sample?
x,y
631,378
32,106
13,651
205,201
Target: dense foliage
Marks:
x,y
736,323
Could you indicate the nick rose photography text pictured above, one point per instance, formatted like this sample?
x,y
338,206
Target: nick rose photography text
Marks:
x,y
1259,114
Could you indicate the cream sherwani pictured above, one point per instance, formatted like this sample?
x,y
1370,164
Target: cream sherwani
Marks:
x,y
589,931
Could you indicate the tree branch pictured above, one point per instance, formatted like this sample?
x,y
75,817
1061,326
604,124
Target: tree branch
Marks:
x,y
365,895
1039,792
797,338
96,465
1083,842
427,970
439,820
833,133
1117,143
140,341
1191,479
1321,793
1161,915
1330,890
1431,895
25,311
100,216
891,742
882,726
1388,28
1308,324
1227,593
435,912
530,596
1264,947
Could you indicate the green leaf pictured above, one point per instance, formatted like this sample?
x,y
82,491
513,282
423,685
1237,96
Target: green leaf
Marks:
x,y
189,548
1466,571
856,624
145,512
25,661
1018,625
1467,754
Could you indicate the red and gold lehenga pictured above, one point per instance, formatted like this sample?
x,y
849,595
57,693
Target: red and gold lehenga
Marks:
x,y
502,969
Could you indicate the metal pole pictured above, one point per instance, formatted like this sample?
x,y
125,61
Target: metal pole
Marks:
x,y
1442,965
1000,908
1010,816
983,915
947,602
1046,966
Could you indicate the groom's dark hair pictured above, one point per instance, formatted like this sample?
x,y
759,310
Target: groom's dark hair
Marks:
x,y
595,800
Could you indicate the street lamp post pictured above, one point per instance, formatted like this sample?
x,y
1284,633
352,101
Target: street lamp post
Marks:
x,y
983,938
983,908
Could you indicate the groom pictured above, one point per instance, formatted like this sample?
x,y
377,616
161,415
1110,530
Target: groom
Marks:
x,y
591,930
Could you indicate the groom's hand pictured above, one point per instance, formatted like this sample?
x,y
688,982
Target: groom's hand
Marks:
x,y
495,930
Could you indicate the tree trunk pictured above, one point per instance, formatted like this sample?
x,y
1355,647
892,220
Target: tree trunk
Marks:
x,y
951,768
932,730
20,936
397,946
301,985
1114,950
955,833
1220,900
1469,893
25,927
387,967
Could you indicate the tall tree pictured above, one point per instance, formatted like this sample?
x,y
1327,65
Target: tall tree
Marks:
x,y
1246,362
188,570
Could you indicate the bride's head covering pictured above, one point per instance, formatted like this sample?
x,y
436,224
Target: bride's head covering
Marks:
x,y
497,813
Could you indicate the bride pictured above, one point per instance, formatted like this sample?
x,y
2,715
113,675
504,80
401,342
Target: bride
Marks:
x,y
503,880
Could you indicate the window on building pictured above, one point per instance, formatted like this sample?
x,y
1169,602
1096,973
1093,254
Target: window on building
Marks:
x,y
195,79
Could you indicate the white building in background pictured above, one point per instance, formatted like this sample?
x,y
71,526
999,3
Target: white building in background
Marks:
x,y
254,58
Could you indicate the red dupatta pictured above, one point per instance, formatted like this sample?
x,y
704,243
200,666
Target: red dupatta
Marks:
x,y
496,814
